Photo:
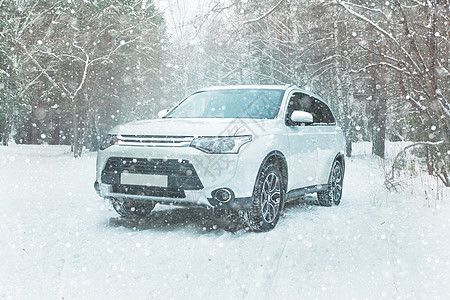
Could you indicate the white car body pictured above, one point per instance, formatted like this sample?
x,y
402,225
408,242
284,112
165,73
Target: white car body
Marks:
x,y
306,152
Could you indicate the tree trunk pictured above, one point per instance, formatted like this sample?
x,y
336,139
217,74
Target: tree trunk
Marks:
x,y
348,147
380,108
76,142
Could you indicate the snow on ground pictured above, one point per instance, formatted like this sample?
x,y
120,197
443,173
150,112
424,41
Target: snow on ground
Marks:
x,y
59,240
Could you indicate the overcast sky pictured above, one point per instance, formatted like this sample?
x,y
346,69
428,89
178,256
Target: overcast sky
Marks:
x,y
179,12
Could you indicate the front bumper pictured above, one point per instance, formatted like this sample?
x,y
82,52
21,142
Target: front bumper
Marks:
x,y
192,198
197,198
209,172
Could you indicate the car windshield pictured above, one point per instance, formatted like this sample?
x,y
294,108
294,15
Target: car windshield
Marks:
x,y
230,103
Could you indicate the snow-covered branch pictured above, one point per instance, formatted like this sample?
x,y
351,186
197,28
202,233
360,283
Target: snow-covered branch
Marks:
x,y
265,14
382,31
372,65
34,60
83,78
113,51
389,180
4,72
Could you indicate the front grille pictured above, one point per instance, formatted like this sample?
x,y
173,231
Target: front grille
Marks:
x,y
181,176
154,140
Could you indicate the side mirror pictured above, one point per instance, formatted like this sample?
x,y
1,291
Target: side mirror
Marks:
x,y
162,113
299,116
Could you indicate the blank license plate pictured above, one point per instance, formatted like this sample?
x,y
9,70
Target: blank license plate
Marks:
x,y
144,179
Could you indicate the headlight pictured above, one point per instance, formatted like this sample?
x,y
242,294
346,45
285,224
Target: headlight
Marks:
x,y
110,140
221,145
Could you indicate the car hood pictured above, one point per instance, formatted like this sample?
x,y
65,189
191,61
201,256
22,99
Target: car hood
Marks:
x,y
195,127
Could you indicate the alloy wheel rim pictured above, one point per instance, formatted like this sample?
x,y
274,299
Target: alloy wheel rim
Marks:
x,y
270,197
336,183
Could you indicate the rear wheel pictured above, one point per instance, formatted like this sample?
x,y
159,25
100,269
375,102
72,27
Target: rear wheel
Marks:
x,y
132,209
268,199
333,194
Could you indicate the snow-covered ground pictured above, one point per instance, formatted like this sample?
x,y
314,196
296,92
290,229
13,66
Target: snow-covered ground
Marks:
x,y
59,240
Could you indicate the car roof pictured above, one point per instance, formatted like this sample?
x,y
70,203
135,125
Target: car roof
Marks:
x,y
229,87
270,87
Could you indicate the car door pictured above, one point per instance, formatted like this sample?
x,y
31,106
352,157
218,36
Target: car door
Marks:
x,y
326,138
302,145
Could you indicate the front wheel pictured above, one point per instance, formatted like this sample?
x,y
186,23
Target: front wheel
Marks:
x,y
268,199
132,209
333,194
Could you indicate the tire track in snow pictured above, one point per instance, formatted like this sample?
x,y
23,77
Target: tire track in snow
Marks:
x,y
264,276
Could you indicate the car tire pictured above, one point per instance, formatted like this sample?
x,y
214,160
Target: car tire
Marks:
x,y
268,199
333,194
131,209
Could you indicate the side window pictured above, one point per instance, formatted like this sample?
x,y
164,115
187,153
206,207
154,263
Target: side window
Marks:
x,y
298,101
320,111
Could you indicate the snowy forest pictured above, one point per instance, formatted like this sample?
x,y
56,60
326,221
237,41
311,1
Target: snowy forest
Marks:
x,y
70,70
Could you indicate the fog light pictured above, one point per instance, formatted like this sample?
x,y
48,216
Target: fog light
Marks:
x,y
223,195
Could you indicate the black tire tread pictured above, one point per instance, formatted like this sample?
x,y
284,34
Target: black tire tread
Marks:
x,y
254,220
325,197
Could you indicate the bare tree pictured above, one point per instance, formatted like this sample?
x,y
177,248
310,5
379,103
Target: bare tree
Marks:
x,y
413,39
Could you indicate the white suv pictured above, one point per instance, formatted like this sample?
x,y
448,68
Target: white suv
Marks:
x,y
245,150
